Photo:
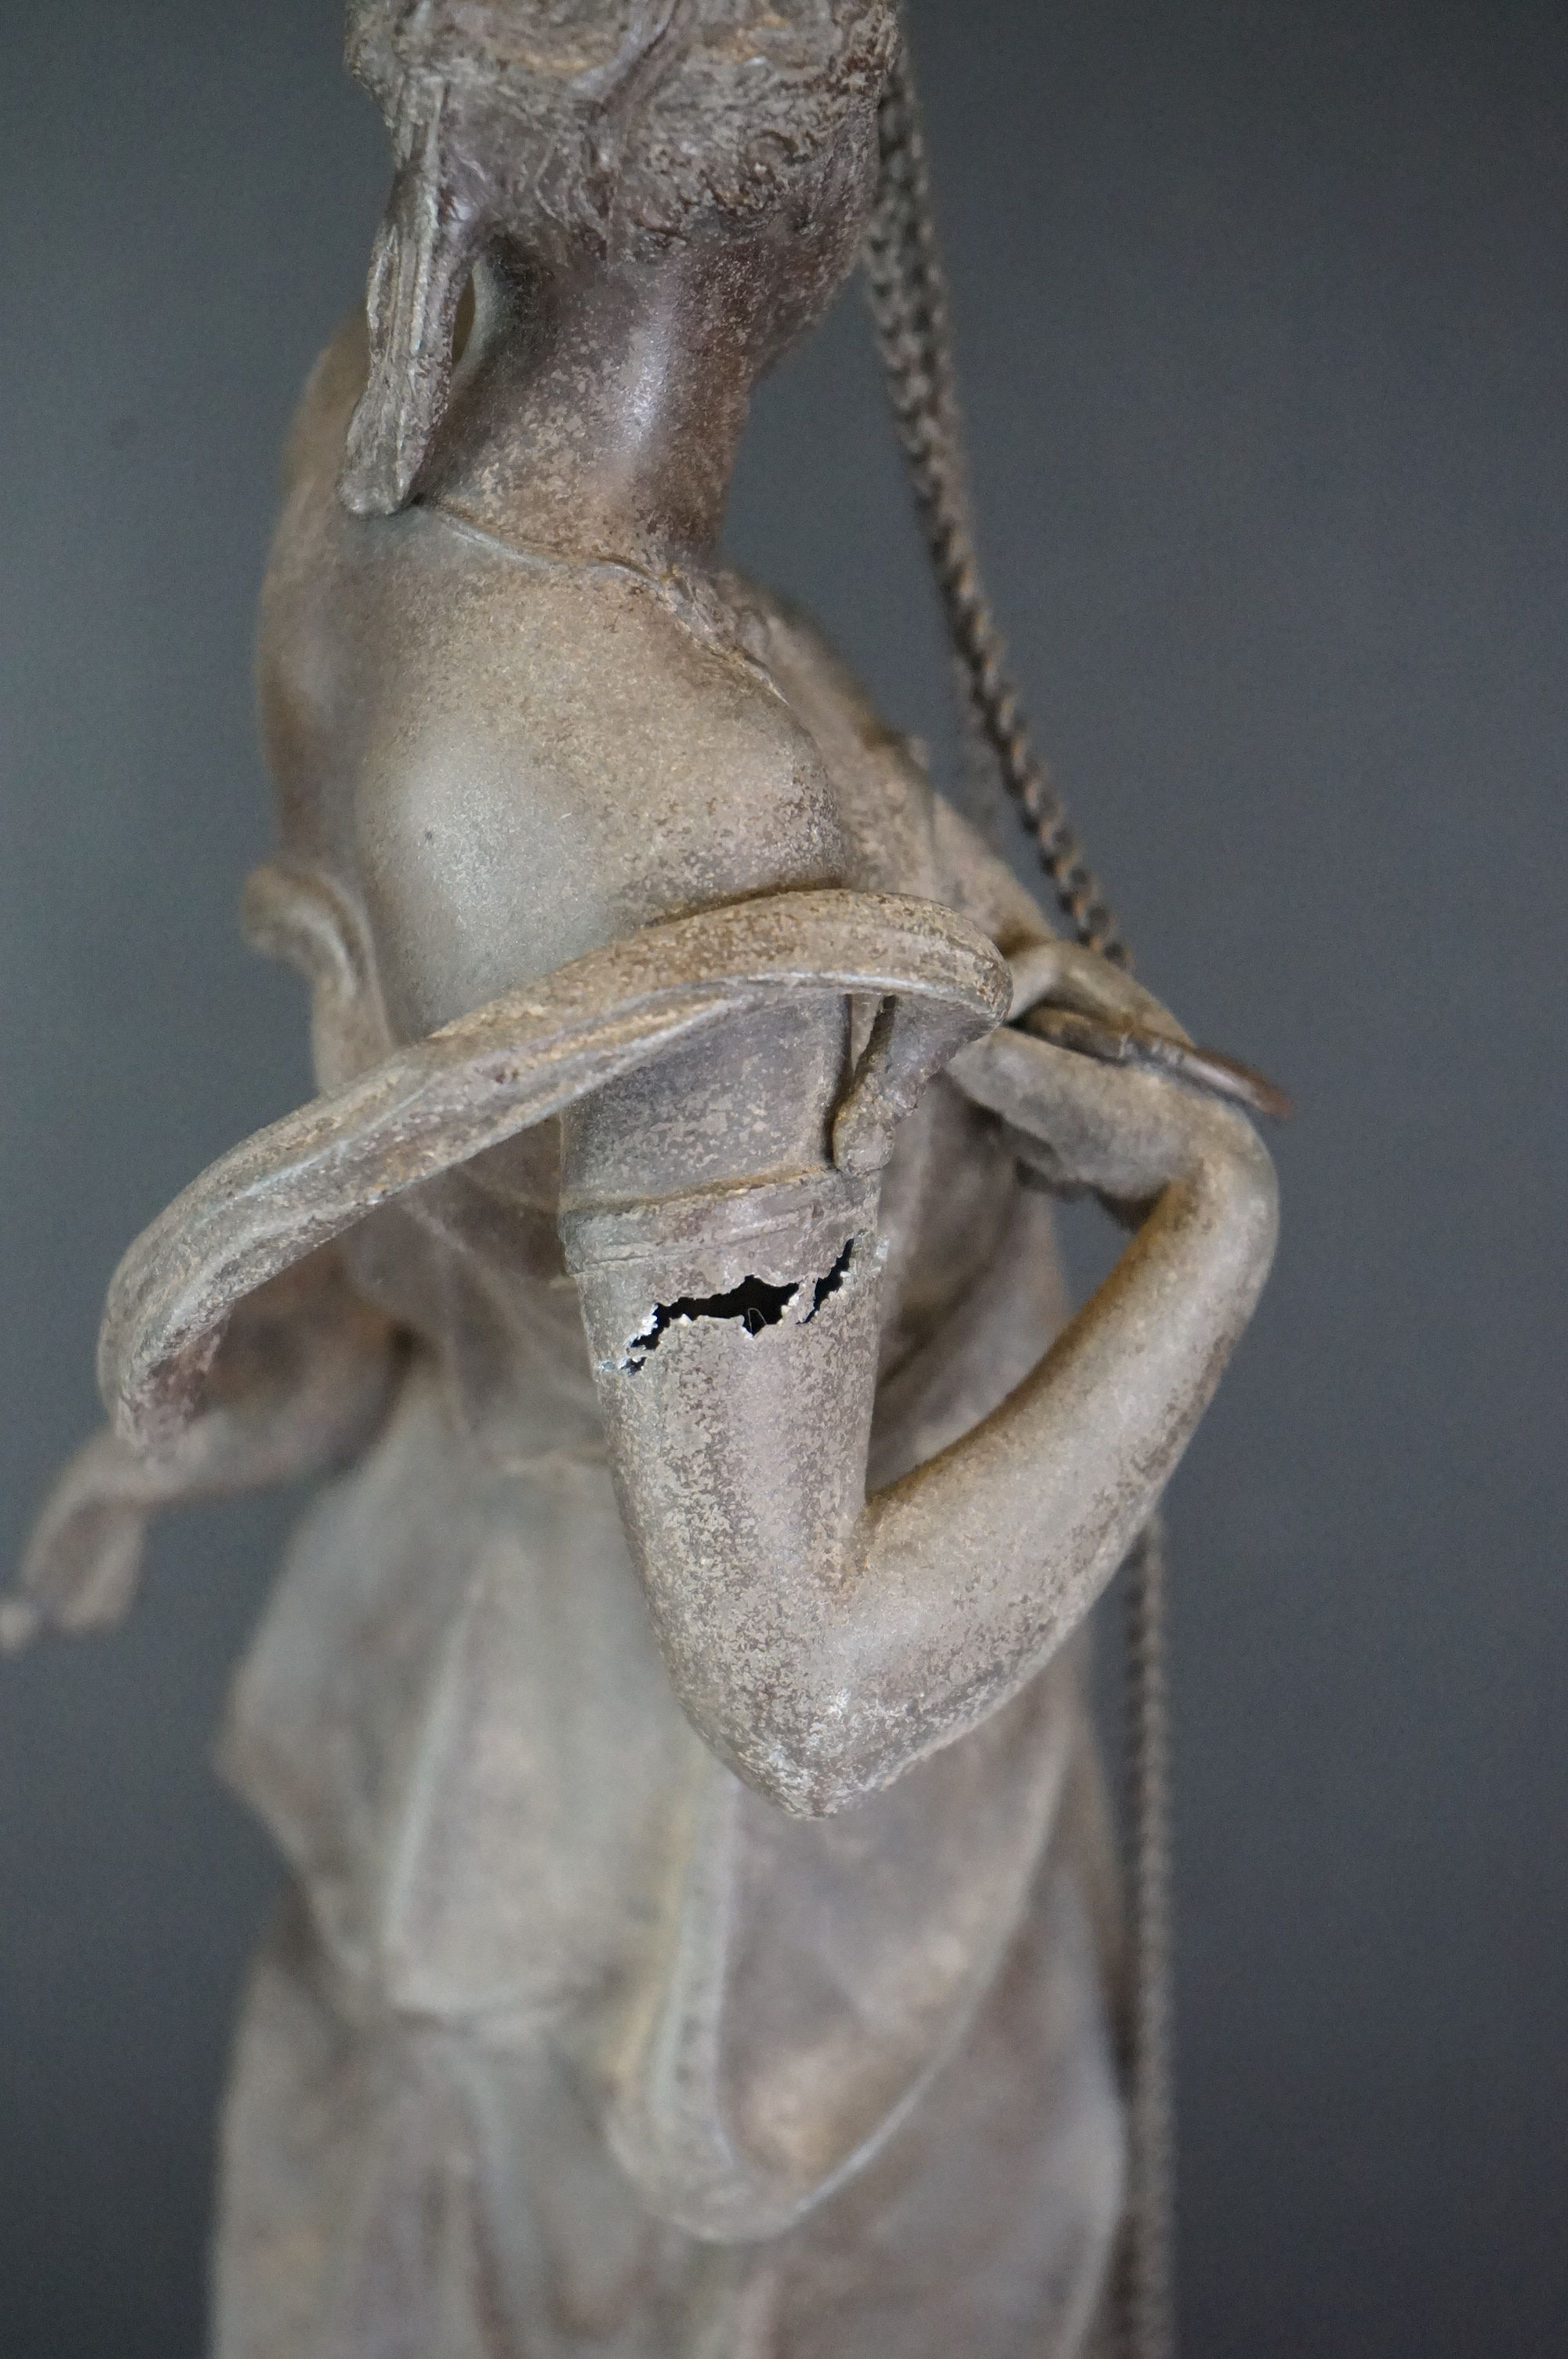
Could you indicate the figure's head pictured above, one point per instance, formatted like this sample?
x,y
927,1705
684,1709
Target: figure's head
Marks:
x,y
602,132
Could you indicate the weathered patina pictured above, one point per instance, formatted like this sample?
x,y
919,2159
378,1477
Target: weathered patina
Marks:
x,y
703,1931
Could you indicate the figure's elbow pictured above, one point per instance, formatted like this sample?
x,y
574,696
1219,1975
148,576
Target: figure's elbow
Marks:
x,y
820,1754
803,1785
1251,1184
1231,1196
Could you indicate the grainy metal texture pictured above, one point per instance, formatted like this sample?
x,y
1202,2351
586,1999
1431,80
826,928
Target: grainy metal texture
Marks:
x,y
671,1712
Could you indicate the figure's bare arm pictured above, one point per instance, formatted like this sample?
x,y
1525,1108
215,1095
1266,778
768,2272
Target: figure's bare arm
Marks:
x,y
823,1643
303,1375
820,1641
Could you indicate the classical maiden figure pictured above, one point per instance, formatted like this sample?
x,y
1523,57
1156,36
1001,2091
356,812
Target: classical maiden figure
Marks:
x,y
701,1931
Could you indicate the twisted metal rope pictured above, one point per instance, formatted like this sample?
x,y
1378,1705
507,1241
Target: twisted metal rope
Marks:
x,y
907,291
1146,2287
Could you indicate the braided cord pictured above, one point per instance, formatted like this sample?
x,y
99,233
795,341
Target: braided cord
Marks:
x,y
1146,2278
907,290
907,293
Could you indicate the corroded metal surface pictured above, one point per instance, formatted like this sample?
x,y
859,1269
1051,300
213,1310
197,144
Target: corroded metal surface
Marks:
x,y
703,1930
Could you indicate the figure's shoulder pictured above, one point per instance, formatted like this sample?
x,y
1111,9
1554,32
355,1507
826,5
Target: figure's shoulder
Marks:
x,y
912,837
437,606
508,754
558,758
979,884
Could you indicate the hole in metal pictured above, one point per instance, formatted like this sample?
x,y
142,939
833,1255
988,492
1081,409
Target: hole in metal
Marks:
x,y
756,1302
830,1281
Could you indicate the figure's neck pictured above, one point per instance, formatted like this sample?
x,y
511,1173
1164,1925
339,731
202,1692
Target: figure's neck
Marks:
x,y
601,416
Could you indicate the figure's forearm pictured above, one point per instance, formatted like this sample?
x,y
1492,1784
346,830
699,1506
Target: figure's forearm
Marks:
x,y
979,1564
820,1646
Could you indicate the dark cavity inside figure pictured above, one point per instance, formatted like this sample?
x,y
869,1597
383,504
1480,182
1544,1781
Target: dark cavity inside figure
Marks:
x,y
702,1937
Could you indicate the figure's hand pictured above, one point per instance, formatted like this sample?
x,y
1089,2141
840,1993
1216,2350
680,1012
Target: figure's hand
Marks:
x,y
1059,974
1118,1129
83,1557
1069,997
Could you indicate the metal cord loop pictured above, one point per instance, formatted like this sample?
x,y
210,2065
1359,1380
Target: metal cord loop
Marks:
x,y
907,293
1146,2280
907,289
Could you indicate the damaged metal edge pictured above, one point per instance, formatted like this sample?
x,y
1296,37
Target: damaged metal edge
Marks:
x,y
752,1299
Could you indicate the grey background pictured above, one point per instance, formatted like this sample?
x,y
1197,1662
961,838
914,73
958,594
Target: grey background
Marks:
x,y
1263,328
